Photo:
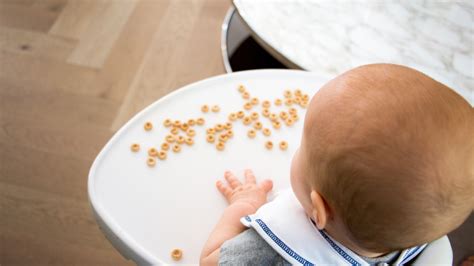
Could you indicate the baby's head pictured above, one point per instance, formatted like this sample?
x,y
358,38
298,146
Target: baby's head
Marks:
x,y
386,159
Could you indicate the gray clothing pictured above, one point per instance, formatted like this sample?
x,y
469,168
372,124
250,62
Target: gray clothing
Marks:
x,y
248,248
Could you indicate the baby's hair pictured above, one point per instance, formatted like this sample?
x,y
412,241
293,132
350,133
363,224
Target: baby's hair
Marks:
x,y
394,157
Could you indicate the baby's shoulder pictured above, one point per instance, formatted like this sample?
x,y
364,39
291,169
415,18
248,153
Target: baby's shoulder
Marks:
x,y
248,248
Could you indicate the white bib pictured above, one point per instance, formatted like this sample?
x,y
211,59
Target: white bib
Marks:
x,y
284,225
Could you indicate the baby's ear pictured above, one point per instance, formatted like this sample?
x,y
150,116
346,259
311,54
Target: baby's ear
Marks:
x,y
320,212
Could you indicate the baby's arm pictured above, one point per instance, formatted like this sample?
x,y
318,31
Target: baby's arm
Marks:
x,y
243,199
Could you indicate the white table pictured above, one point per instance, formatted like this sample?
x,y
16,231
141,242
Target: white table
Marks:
x,y
330,37
146,212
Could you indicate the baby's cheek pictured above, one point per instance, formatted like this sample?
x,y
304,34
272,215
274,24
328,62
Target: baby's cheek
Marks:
x,y
298,183
293,171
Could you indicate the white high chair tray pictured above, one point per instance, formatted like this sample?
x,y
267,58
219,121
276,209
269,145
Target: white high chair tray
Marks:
x,y
147,212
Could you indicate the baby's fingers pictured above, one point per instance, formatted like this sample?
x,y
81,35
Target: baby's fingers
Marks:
x,y
232,180
266,185
225,190
249,177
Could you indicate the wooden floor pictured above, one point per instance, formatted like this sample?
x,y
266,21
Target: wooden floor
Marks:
x,y
71,73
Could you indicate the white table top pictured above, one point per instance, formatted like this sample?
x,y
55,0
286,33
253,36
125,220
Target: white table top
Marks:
x,y
330,37
175,204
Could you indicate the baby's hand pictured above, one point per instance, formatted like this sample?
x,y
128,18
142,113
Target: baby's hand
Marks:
x,y
248,193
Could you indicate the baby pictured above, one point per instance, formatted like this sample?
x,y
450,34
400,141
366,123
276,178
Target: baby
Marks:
x,y
385,167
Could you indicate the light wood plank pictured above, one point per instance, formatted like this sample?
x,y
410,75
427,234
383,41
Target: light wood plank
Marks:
x,y
97,33
101,35
205,39
130,48
64,109
170,50
27,17
65,173
19,2
76,18
52,5
72,141
67,225
31,249
46,73
35,43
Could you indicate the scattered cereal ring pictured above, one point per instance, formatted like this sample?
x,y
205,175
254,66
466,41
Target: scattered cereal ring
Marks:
x,y
152,152
254,116
210,138
191,122
289,121
304,104
248,106
177,123
247,120
232,116
257,125
292,111
288,102
228,125
278,102
170,138
200,121
189,141
215,108
276,124
266,104
251,133
219,127
191,132
241,88
220,146
245,95
223,137
174,131
283,115
167,123
266,112
148,126
210,131
176,148
165,146
205,108
230,133
297,100
162,155
283,145
240,114
298,92
295,117
176,254
269,145
151,161
254,101
273,117
180,140
287,93
135,147
184,126
266,132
